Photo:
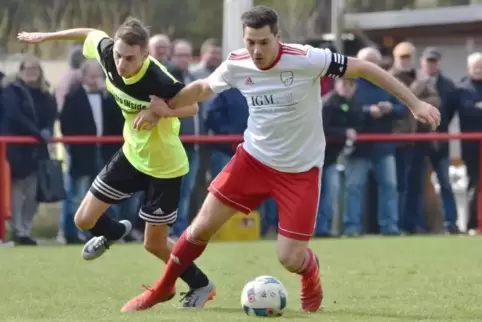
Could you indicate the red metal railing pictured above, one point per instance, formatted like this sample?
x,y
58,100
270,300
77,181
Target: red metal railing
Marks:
x,y
203,139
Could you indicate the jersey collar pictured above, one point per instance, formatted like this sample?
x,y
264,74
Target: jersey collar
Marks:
x,y
137,77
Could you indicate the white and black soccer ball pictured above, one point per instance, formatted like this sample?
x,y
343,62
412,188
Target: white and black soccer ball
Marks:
x,y
264,296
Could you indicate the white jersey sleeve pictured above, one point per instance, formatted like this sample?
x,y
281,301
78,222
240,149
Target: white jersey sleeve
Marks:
x,y
219,80
327,63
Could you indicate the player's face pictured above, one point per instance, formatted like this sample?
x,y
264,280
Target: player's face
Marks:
x,y
262,45
128,59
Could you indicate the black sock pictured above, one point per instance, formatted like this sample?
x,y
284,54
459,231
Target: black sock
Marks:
x,y
109,228
194,277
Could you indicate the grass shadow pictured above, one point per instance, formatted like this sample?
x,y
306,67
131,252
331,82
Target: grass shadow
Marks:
x,y
287,313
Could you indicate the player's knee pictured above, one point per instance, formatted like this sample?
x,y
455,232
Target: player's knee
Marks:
x,y
212,216
291,254
158,248
201,230
89,212
82,220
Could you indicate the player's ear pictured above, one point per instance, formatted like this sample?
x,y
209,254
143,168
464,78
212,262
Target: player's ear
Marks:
x,y
145,53
278,36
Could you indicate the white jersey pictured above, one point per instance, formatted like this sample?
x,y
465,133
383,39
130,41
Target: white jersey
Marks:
x,y
285,127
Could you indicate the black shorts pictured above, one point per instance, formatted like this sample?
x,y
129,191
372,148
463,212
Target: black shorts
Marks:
x,y
119,180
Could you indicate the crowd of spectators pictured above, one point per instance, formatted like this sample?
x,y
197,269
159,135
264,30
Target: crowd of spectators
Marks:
x,y
30,105
400,169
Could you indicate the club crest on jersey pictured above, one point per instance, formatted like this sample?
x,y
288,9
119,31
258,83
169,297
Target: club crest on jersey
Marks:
x,y
287,78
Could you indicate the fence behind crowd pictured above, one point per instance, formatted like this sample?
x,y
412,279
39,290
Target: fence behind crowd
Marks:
x,y
209,139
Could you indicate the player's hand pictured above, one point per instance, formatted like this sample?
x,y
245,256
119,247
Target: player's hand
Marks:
x,y
426,113
160,106
146,120
32,37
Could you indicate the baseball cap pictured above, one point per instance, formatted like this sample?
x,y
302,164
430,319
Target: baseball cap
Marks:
x,y
431,53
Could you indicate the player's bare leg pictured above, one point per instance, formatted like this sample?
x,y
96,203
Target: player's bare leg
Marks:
x,y
297,257
91,216
156,241
201,290
212,216
189,247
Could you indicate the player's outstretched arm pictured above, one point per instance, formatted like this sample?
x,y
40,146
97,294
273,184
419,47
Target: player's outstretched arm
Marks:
x,y
148,118
68,34
193,93
422,111
160,108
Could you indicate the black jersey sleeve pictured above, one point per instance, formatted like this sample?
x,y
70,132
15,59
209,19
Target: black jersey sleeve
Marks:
x,y
166,86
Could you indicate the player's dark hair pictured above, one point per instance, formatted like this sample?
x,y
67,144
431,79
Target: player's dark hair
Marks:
x,y
133,33
259,17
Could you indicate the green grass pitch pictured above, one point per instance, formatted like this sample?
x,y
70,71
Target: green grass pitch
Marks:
x,y
367,279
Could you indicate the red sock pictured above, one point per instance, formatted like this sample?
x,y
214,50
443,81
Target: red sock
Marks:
x,y
185,252
309,263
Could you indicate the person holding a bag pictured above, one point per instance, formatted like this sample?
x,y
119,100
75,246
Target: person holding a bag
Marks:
x,y
29,110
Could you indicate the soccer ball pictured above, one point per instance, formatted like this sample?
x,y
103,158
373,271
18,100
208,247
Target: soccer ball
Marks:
x,y
264,296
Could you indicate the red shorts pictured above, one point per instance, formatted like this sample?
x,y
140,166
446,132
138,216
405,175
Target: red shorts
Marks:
x,y
245,182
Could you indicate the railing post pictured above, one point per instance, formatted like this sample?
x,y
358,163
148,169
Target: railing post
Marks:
x,y
4,192
479,191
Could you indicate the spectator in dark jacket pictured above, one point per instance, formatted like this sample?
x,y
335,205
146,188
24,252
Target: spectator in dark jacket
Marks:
x,y
227,114
470,115
341,119
181,59
71,78
29,110
87,110
210,58
380,109
434,88
404,70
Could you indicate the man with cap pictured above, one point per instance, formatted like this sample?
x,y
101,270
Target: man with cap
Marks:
x,y
432,83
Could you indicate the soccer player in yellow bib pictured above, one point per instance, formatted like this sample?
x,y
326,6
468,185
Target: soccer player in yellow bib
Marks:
x,y
152,158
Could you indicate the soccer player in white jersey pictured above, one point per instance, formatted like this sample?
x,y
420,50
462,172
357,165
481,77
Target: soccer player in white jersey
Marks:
x,y
283,147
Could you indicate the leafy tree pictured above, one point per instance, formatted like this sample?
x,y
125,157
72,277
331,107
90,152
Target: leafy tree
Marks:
x,y
191,19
